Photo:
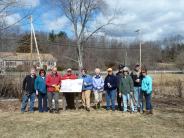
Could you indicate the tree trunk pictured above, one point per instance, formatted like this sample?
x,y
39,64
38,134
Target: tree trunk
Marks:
x,y
80,56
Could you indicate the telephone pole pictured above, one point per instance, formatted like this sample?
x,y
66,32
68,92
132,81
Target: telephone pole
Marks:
x,y
31,52
140,47
33,35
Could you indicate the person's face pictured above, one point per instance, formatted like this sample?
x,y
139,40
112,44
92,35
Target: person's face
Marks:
x,y
54,70
125,72
42,74
110,72
121,70
97,72
33,72
69,72
83,72
137,68
144,73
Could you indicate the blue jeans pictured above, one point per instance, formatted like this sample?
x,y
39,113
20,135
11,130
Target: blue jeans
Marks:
x,y
25,99
110,97
42,102
148,101
126,98
137,96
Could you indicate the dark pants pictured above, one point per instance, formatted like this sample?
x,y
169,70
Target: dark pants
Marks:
x,y
42,102
119,100
148,101
55,96
25,99
69,100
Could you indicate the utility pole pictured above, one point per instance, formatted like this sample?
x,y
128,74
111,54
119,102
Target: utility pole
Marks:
x,y
33,35
31,40
140,47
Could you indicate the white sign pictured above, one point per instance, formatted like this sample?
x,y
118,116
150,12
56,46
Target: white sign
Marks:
x,y
71,85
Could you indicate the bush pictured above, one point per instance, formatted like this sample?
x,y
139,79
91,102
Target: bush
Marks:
x,y
8,89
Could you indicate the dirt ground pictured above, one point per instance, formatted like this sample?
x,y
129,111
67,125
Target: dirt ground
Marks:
x,y
166,122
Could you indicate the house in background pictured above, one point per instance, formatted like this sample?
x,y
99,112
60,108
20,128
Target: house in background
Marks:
x,y
14,60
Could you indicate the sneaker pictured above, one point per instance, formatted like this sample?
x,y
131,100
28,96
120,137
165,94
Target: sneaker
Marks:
x,y
57,111
51,111
87,109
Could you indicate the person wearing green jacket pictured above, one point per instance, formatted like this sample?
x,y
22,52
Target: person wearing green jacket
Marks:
x,y
126,90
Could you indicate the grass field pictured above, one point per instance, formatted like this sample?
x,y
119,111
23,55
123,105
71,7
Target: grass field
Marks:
x,y
166,122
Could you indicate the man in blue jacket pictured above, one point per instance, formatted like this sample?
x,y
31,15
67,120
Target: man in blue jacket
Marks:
x,y
110,86
86,89
28,91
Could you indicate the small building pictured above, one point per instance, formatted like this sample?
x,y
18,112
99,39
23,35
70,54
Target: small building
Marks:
x,y
13,60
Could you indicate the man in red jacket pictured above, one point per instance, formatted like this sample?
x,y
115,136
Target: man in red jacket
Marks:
x,y
53,82
69,96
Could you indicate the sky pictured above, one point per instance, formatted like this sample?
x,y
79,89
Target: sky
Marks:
x,y
156,19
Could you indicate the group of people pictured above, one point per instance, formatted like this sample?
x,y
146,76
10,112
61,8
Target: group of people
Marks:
x,y
130,88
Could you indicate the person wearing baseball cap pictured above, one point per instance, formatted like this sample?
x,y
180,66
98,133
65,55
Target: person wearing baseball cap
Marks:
x,y
119,76
69,97
110,86
126,89
53,82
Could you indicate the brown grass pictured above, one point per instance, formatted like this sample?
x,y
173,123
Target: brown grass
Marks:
x,y
167,122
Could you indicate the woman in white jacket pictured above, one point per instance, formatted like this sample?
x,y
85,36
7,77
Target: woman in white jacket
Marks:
x,y
98,85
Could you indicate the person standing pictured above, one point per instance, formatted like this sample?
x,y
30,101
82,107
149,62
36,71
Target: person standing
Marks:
x,y
86,89
98,85
119,76
29,91
146,88
69,97
41,91
126,90
110,86
53,82
136,76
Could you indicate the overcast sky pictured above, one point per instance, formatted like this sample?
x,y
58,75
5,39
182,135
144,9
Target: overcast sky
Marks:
x,y
155,18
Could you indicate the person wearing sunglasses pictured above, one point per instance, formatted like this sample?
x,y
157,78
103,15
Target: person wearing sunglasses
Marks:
x,y
137,77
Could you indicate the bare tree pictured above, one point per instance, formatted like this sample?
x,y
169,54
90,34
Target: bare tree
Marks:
x,y
7,8
80,13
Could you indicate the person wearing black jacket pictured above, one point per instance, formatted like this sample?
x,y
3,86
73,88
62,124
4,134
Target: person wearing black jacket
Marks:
x,y
110,86
29,91
137,77
119,76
